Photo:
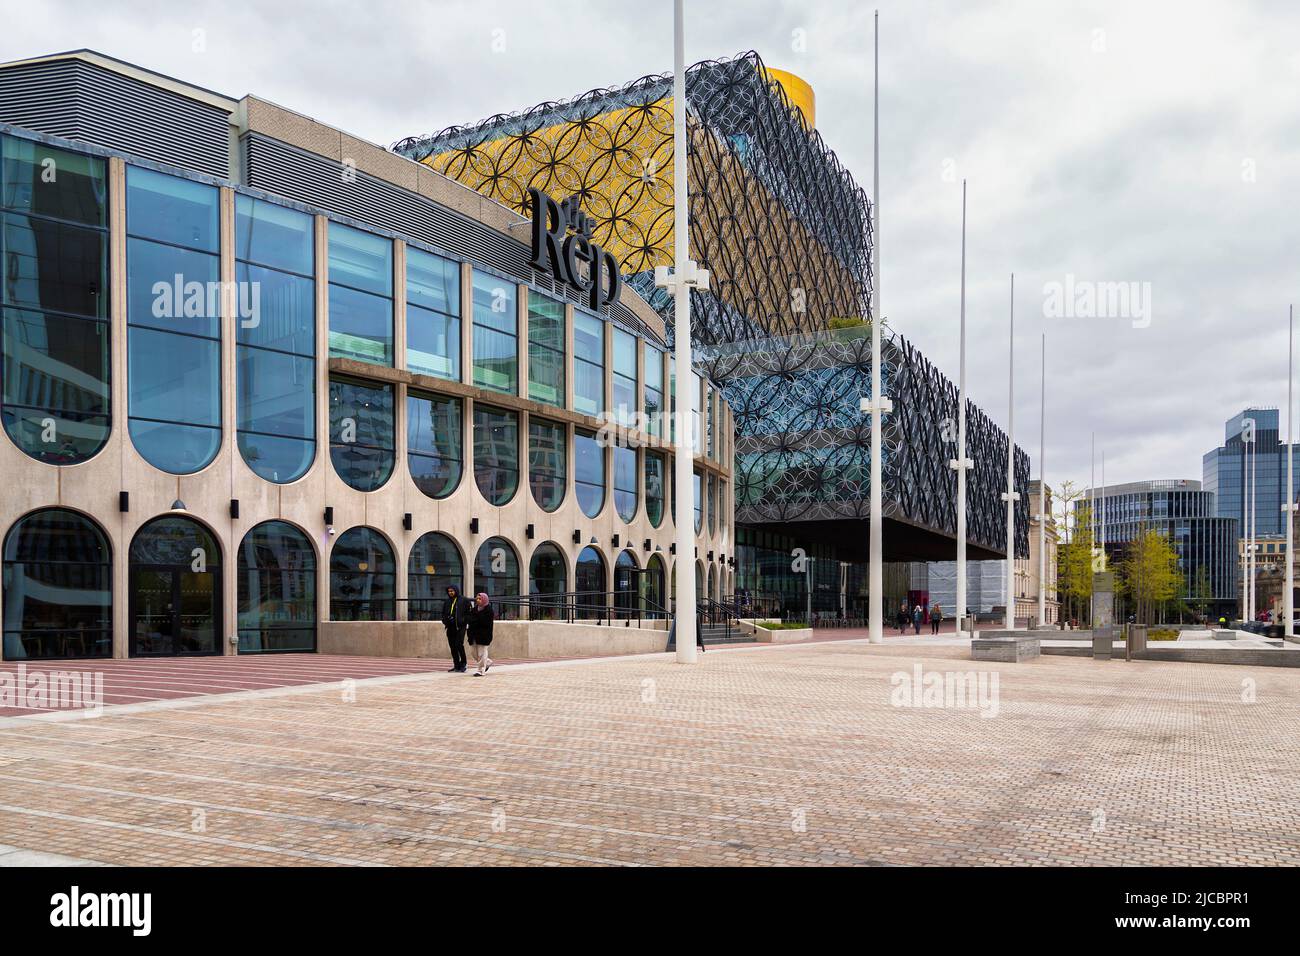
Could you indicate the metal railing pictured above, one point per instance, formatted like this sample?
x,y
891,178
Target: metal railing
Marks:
x,y
598,607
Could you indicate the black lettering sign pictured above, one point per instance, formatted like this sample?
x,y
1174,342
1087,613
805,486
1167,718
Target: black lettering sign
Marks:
x,y
563,247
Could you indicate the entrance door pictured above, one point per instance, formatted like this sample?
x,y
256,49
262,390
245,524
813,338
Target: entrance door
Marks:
x,y
174,611
175,599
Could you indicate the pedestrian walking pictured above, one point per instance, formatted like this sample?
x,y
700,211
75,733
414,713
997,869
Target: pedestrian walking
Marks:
x,y
936,618
453,619
479,631
917,614
900,619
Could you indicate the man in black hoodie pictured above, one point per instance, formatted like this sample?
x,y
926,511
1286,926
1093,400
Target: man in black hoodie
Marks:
x,y
454,613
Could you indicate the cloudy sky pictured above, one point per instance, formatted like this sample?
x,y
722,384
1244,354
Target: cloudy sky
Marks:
x,y
1153,143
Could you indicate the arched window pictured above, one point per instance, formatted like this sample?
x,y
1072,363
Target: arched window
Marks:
x,y
589,473
275,353
496,453
699,503
625,483
173,317
713,583
548,577
176,594
589,583
54,330
435,565
628,582
654,488
699,581
58,587
277,590
656,604
496,574
547,458
434,443
363,578
361,433
713,504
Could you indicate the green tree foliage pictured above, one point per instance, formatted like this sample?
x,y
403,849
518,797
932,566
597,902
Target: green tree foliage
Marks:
x,y
1149,574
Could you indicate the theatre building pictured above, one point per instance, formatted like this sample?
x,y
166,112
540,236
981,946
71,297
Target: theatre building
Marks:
x,y
267,387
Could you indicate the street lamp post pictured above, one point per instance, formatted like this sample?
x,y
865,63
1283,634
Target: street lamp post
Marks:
x,y
1289,507
1042,494
686,275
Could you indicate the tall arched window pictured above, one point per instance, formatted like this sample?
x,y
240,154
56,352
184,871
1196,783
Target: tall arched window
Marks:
x,y
628,582
275,407
173,316
277,590
699,503
176,593
361,433
548,578
434,443
625,483
654,488
547,459
656,604
54,331
363,577
713,583
434,565
589,473
713,504
589,583
58,587
496,453
496,574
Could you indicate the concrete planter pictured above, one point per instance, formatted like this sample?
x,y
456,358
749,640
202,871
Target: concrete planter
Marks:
x,y
781,635
538,640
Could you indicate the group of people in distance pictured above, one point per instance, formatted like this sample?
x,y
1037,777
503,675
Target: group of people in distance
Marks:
x,y
472,621
916,616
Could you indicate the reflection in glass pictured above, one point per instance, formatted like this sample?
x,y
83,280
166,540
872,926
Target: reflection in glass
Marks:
x,y
496,334
363,579
277,590
545,350
432,314
433,442
588,363
434,565
589,473
654,488
546,463
496,574
361,433
496,453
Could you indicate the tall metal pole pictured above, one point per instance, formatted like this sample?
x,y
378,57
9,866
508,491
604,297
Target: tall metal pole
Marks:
x,y
878,405
682,273
1092,532
961,462
1288,509
1010,496
1254,486
1245,523
1042,493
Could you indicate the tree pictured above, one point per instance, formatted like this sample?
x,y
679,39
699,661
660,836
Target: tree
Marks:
x,y
1202,592
1149,573
1074,566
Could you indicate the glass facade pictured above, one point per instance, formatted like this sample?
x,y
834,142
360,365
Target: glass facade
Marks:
x,y
588,363
435,564
54,333
496,334
173,316
589,583
624,377
589,472
547,575
360,295
434,442
625,482
655,476
496,453
363,578
699,503
275,352
547,457
57,587
545,350
713,504
277,590
361,433
432,314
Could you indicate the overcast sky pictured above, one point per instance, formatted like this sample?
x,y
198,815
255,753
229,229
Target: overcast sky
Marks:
x,y
1155,143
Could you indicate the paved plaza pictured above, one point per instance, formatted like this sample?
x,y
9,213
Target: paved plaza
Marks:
x,y
760,755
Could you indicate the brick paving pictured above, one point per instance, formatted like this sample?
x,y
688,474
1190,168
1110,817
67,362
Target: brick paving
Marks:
x,y
772,755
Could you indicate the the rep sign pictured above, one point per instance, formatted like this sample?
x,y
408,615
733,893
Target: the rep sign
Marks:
x,y
562,247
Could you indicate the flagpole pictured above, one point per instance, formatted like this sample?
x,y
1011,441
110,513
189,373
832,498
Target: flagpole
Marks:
x,y
961,463
877,404
1042,493
1010,496
1289,507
